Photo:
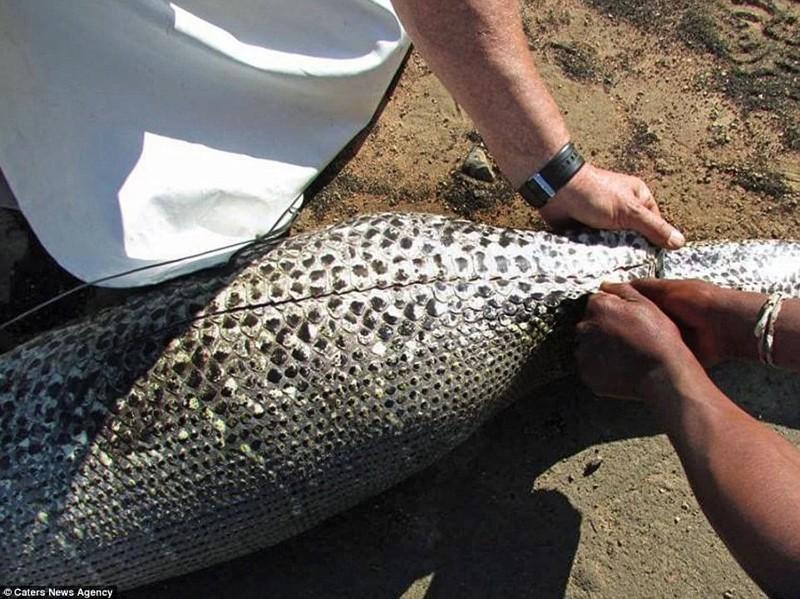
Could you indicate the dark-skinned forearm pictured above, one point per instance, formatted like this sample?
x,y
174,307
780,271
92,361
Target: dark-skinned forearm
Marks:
x,y
745,476
477,48
735,318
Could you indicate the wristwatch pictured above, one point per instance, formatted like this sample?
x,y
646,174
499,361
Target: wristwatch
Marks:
x,y
541,186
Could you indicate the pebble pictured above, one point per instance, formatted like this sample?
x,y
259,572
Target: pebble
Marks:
x,y
477,166
592,465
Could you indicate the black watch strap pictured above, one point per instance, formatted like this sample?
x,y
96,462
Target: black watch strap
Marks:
x,y
542,186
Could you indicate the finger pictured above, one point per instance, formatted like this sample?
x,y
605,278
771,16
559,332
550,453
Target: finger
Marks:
x,y
622,290
591,364
655,228
585,352
656,290
584,334
583,329
598,303
598,296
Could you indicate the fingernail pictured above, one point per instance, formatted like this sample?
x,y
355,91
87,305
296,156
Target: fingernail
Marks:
x,y
676,240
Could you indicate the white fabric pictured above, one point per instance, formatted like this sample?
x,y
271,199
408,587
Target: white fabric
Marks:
x,y
138,131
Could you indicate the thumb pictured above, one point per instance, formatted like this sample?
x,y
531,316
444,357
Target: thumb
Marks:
x,y
656,229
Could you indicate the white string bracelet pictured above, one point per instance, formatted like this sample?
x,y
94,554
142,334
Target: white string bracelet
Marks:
x,y
765,327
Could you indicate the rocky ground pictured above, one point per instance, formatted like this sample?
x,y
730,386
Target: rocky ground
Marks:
x,y
561,494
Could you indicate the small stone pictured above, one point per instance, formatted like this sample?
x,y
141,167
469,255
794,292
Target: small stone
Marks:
x,y
592,465
730,594
477,166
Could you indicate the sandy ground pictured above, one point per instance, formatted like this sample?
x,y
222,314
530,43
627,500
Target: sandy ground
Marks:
x,y
561,495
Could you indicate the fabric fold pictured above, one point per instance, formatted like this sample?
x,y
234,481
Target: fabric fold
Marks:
x,y
135,132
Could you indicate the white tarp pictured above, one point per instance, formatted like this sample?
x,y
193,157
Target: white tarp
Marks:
x,y
134,132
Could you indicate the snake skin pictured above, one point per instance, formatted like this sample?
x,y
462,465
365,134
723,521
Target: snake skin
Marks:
x,y
230,410
767,266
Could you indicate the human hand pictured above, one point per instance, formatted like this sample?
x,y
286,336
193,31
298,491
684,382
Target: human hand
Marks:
x,y
625,343
607,200
716,323
690,305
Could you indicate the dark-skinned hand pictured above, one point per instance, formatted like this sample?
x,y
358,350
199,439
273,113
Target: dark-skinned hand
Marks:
x,y
625,341
695,306
717,323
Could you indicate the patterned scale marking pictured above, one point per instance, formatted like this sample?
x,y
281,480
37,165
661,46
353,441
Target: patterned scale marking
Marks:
x,y
761,266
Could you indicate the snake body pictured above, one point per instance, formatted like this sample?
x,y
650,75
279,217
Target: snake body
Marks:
x,y
227,411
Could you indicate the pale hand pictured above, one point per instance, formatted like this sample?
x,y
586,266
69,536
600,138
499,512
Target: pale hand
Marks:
x,y
606,200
